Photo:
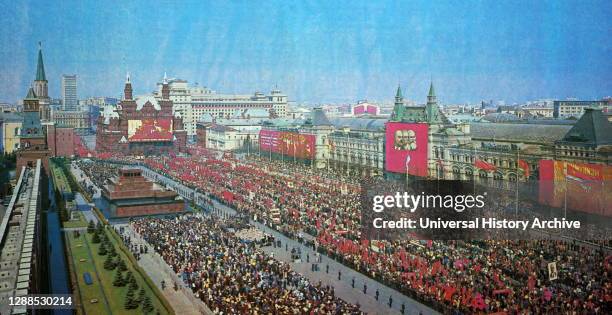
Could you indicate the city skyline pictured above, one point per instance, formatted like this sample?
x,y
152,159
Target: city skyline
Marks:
x,y
318,52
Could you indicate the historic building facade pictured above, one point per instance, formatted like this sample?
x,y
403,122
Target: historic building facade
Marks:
x,y
79,120
498,153
575,109
33,142
10,125
588,141
141,126
193,103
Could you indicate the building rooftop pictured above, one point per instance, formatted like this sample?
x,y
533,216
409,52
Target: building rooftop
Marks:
x,y
370,124
593,128
11,117
546,134
221,128
142,100
319,118
17,238
251,112
500,117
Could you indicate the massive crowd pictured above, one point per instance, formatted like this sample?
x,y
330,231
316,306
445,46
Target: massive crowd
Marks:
x,y
231,274
452,276
488,276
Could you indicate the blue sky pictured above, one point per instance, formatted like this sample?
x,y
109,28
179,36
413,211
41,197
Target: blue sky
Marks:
x,y
316,51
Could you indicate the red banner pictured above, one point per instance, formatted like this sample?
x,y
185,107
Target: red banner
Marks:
x,y
406,148
525,166
365,108
288,143
484,165
147,130
580,186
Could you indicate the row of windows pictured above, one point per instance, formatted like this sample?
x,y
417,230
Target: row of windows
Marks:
x,y
578,154
495,161
483,175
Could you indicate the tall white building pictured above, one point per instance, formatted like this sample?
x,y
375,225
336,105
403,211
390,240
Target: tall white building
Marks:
x,y
70,101
193,103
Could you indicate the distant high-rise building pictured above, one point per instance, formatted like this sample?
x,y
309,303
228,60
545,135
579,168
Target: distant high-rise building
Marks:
x,y
69,92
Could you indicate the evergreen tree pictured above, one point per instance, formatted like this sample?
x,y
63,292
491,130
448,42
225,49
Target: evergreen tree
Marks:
x,y
104,237
141,295
129,300
96,238
147,306
91,227
118,281
133,283
109,264
102,250
128,277
111,251
121,265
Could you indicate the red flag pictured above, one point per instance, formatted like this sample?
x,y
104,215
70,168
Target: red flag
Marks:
x,y
478,302
365,243
364,256
228,196
525,166
547,295
448,292
531,283
484,165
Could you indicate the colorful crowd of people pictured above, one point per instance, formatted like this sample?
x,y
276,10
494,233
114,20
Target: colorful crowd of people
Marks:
x,y
509,276
233,275
485,276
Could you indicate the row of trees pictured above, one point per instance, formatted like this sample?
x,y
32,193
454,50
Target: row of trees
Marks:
x,y
123,276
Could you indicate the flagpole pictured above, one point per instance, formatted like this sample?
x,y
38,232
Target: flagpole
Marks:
x,y
348,151
565,191
328,153
518,161
407,170
474,172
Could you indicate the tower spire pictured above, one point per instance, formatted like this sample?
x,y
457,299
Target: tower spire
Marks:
x,y
127,90
398,107
40,67
432,110
165,88
431,96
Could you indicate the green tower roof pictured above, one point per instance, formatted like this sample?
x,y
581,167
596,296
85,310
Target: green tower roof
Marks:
x,y
432,92
398,94
40,68
31,94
